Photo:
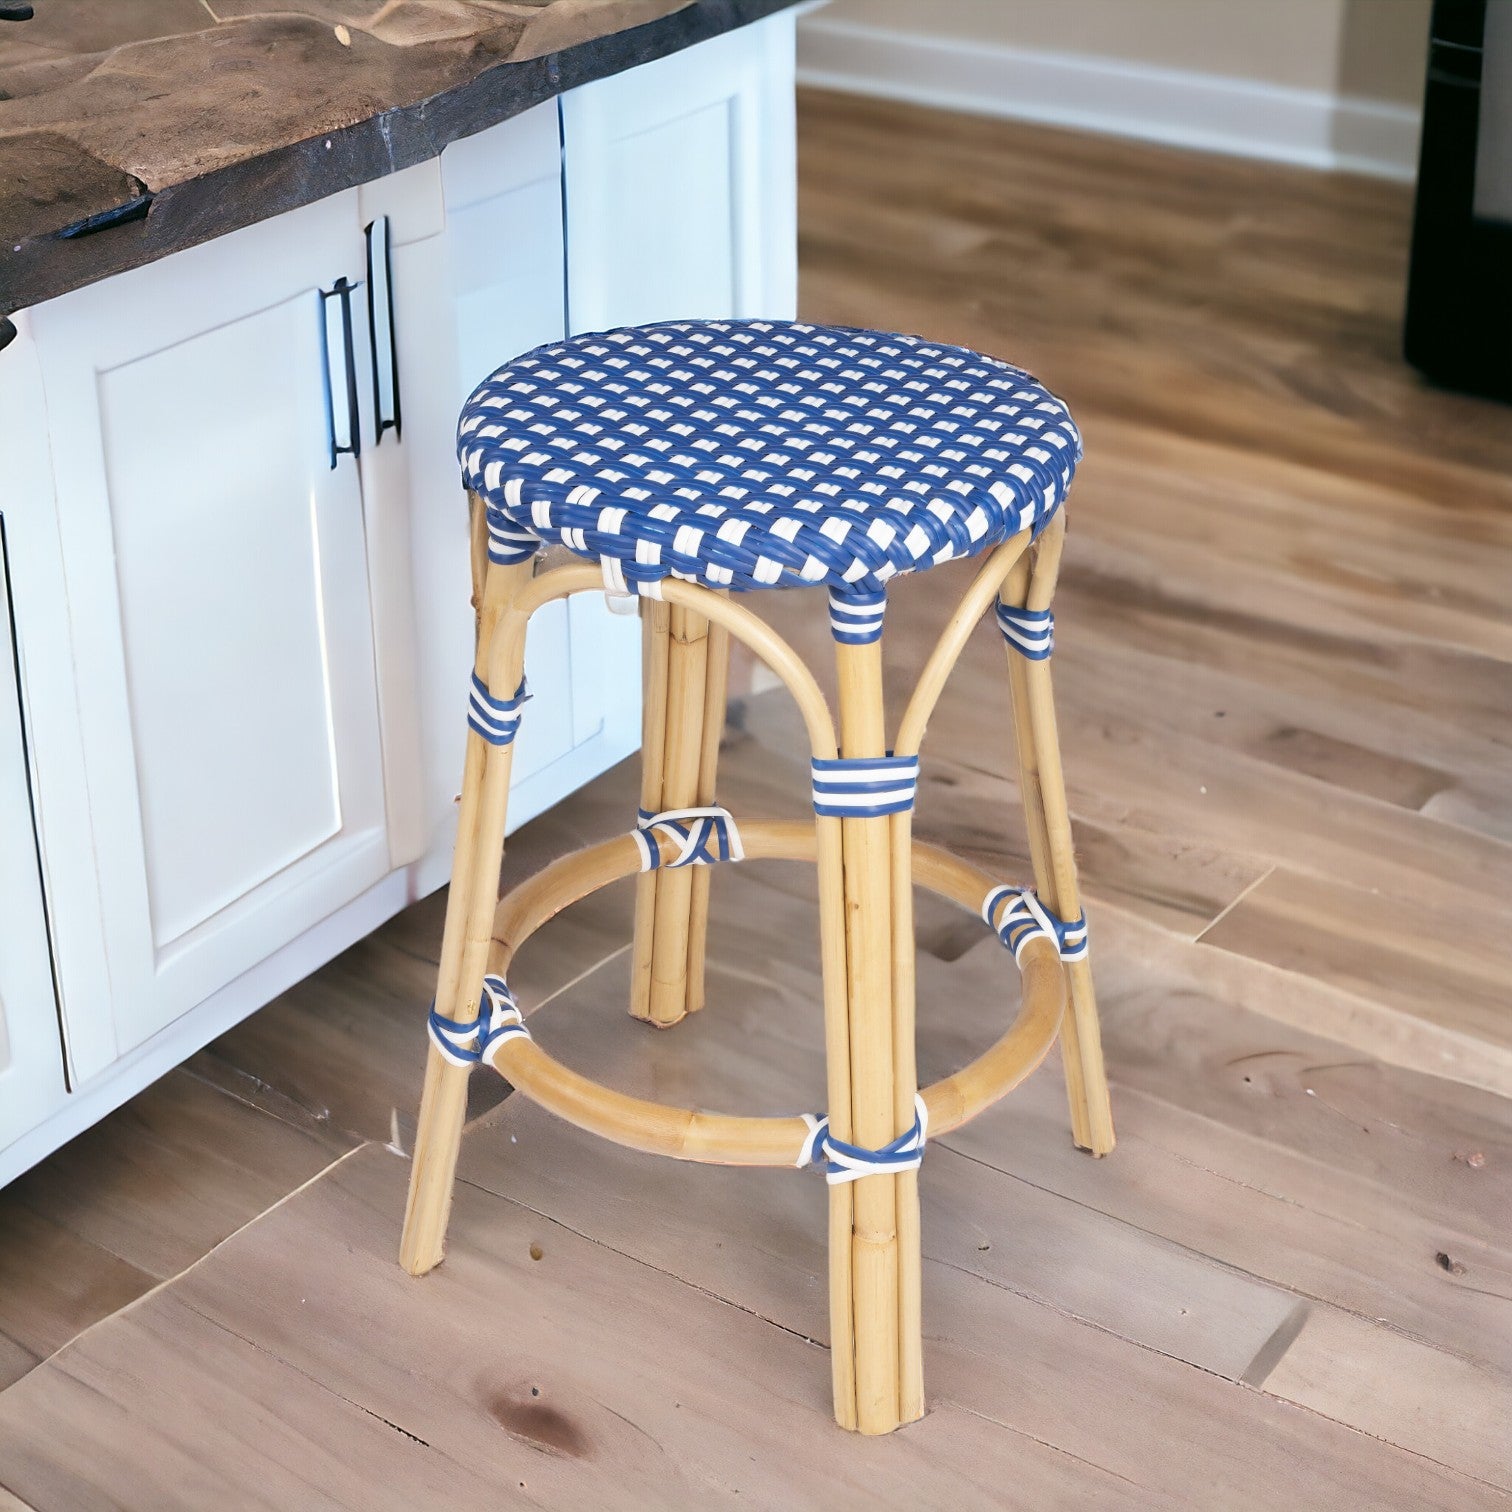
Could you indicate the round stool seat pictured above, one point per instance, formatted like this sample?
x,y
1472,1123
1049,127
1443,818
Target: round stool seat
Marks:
x,y
747,454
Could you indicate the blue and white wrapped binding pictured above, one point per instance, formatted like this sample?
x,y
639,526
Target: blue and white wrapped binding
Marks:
x,y
865,787
848,1162
509,543
1030,632
497,720
687,837
499,1019
1016,916
856,617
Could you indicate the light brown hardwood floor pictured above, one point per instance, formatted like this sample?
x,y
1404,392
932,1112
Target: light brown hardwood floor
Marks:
x,y
1284,668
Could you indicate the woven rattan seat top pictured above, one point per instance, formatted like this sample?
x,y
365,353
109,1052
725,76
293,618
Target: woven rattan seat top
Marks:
x,y
748,454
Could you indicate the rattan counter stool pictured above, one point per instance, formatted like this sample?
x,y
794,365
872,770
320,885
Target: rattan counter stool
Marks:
x,y
689,462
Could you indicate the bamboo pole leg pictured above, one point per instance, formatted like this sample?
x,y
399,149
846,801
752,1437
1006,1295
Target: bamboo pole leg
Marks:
x,y
1081,1036
905,1086
829,850
655,631
464,948
1052,846
716,687
687,675
866,846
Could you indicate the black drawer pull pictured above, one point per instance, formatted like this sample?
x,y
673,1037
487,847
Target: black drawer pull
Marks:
x,y
382,345
342,423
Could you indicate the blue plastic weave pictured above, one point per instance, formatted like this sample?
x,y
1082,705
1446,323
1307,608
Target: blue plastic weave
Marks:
x,y
1016,916
847,1162
687,837
469,1044
751,454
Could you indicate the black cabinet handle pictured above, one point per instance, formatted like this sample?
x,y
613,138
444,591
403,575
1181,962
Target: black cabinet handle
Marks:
x,y
384,349
342,424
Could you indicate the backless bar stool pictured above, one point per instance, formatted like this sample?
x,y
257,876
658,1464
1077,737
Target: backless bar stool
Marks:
x,y
688,462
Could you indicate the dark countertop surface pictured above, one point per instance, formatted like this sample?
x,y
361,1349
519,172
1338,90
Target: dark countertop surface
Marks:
x,y
132,128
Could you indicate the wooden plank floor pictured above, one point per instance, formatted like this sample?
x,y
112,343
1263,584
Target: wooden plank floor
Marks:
x,y
1285,669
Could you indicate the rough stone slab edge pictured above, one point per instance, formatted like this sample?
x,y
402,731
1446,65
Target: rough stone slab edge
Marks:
x,y
200,209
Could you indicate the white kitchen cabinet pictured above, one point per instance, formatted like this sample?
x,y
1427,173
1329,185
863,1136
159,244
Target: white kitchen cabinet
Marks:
x,y
680,185
31,1049
243,669
503,191
217,621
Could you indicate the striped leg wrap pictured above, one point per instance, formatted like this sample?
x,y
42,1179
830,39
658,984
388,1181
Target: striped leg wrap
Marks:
x,y
856,618
1030,632
509,543
497,720
865,787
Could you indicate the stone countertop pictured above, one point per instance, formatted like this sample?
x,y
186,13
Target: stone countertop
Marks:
x,y
132,128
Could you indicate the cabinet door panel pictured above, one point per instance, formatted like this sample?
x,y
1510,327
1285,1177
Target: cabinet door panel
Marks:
x,y
408,483
507,277
221,617
679,193
220,614
503,192
680,185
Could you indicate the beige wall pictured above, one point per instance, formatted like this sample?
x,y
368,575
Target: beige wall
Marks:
x,y
1370,49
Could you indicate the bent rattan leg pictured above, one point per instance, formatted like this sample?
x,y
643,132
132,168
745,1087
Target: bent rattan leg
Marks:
x,y
686,668
1051,845
465,944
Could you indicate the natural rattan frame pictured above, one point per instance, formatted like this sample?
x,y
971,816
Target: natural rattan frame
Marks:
x,y
867,868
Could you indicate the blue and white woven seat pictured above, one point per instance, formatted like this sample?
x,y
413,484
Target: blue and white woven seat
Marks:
x,y
751,454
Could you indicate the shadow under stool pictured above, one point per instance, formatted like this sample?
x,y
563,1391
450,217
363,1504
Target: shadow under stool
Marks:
x,y
688,463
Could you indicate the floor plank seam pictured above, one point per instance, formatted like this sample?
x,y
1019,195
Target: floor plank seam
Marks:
x,y
1475,1049
1302,1296
1233,903
1455,1471
319,1117
581,977
314,1380
194,1265
1077,1320
1034,1438
1270,1354
419,957
645,1264
1238,1383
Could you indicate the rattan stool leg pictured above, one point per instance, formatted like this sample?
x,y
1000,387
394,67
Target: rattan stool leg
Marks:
x,y
1052,847
687,662
905,1085
656,619
875,1090
465,942
716,689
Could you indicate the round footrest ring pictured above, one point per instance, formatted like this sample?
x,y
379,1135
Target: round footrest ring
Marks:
x,y
730,1139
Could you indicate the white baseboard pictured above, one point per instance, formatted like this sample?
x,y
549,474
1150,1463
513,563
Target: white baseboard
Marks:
x,y
1210,112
